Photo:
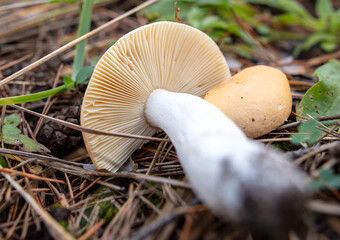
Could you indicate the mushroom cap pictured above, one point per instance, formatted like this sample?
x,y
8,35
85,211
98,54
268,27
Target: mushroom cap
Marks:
x,y
162,55
258,99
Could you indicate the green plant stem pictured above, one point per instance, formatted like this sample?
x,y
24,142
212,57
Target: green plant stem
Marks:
x,y
35,96
83,28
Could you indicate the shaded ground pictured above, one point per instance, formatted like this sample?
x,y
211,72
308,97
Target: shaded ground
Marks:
x,y
94,205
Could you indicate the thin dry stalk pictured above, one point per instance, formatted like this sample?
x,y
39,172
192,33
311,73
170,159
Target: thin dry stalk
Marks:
x,y
26,223
310,154
22,4
8,65
37,156
77,171
94,229
28,175
85,189
324,207
295,124
16,222
69,187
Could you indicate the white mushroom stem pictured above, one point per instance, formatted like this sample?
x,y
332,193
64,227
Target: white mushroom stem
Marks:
x,y
236,177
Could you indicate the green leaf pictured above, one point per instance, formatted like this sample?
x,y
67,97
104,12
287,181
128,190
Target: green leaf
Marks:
x,y
329,46
3,162
323,99
12,120
95,59
62,1
84,74
324,8
68,82
12,135
9,130
25,143
210,22
35,96
291,6
211,2
334,23
165,10
308,132
314,39
11,123
327,179
288,18
83,28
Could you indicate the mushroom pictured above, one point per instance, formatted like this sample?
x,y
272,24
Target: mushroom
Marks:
x,y
257,99
153,78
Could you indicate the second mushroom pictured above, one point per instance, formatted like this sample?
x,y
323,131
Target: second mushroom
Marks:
x,y
153,78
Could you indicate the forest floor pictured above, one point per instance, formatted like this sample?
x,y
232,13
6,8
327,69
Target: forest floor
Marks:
x,y
48,195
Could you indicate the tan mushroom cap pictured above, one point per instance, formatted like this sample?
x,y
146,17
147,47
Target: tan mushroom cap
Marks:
x,y
162,55
258,99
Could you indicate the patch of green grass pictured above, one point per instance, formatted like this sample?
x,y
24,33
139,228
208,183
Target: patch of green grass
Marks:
x,y
325,26
285,146
216,18
107,211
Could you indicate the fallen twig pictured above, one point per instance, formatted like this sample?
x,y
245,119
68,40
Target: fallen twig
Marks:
x,y
37,156
324,207
85,189
28,175
92,230
322,148
84,172
297,123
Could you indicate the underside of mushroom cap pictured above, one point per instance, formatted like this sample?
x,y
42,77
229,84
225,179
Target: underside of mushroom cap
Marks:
x,y
162,55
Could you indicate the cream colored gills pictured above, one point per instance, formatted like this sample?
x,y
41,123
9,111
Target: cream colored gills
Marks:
x,y
162,55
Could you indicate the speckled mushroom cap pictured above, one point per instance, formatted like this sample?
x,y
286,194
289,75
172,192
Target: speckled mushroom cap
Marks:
x,y
258,99
162,55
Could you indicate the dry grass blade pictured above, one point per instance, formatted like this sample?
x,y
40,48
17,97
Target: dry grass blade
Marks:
x,y
164,219
322,148
75,42
28,175
22,4
92,230
324,207
85,189
37,156
297,123
55,229
73,168
11,231
141,177
8,65
87,130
